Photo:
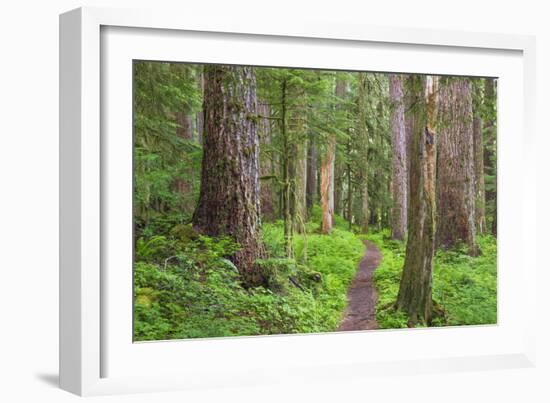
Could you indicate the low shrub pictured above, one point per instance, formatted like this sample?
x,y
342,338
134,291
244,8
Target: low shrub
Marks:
x,y
186,287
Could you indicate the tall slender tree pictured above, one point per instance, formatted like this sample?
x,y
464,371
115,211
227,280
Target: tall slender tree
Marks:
x,y
399,158
327,174
479,165
455,165
490,149
363,137
267,166
298,174
311,184
327,184
415,289
229,201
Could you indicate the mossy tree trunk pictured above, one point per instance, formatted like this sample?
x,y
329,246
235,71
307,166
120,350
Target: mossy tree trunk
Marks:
x,y
287,168
267,171
298,172
399,158
479,166
415,290
363,136
455,166
229,201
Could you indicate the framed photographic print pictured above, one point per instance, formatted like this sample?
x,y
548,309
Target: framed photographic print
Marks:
x,y
236,198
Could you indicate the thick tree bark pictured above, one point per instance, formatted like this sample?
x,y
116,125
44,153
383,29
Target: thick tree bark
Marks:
x,y
415,290
229,201
455,167
399,158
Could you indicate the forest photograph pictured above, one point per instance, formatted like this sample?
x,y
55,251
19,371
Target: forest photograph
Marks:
x,y
271,200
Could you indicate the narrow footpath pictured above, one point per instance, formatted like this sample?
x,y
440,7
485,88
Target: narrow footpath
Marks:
x,y
362,296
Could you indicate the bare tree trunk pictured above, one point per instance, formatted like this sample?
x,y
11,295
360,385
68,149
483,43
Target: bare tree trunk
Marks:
x,y
286,169
229,202
327,164
399,155
490,131
184,122
298,175
479,174
200,114
184,130
349,199
362,133
455,165
340,92
338,187
327,174
415,290
266,163
311,186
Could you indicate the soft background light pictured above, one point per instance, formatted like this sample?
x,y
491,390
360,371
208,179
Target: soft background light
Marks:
x,y
28,206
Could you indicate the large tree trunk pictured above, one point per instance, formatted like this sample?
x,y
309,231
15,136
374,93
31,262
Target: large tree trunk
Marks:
x,y
455,167
229,201
415,290
399,161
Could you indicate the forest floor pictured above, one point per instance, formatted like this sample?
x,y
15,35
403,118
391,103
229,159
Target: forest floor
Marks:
x,y
362,296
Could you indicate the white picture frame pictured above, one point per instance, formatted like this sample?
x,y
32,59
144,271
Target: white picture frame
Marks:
x,y
96,352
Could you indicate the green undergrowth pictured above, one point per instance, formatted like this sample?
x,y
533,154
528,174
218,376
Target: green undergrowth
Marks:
x,y
186,287
464,287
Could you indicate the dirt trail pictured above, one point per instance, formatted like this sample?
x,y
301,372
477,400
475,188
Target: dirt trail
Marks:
x,y
362,296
